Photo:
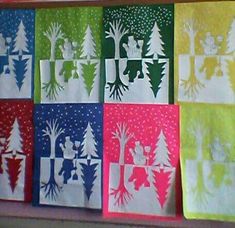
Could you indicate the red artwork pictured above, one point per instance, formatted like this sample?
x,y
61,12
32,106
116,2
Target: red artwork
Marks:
x,y
16,146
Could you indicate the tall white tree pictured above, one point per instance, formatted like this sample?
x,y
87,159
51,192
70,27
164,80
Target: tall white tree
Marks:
x,y
54,33
191,28
53,132
123,136
161,152
21,40
88,45
155,43
198,132
15,140
116,32
89,143
231,38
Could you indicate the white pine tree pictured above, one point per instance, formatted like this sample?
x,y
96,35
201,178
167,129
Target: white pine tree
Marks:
x,y
161,152
21,40
231,38
155,43
88,45
14,141
89,143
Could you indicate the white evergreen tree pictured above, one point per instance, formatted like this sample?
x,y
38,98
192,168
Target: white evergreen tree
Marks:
x,y
155,43
89,143
88,45
15,141
21,40
231,38
161,152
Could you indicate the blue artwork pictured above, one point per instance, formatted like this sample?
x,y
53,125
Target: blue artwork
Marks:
x,y
68,148
16,53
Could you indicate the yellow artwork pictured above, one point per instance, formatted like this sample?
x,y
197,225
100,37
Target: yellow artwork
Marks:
x,y
205,52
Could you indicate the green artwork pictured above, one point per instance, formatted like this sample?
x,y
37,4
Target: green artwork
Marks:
x,y
208,161
137,40
67,39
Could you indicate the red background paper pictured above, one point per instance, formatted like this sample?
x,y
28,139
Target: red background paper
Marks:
x,y
23,111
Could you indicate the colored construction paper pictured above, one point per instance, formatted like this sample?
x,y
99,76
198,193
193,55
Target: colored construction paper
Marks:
x,y
204,52
16,53
141,161
68,151
207,161
138,54
68,50
16,150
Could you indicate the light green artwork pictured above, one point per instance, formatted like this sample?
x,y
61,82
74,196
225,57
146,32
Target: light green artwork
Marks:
x,y
208,161
68,52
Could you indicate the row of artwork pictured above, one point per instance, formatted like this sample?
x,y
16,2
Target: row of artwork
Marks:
x,y
110,54
86,154
56,68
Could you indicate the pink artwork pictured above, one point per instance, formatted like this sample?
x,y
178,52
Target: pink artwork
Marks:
x,y
141,161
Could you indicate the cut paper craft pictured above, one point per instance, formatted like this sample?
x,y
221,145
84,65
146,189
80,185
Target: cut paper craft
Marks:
x,y
204,53
68,151
141,161
207,161
16,53
68,51
16,150
138,51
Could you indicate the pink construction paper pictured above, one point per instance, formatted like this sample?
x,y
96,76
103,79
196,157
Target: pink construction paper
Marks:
x,y
141,161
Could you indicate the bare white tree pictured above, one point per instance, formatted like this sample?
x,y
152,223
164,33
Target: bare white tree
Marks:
x,y
116,32
53,132
123,137
54,33
191,28
198,132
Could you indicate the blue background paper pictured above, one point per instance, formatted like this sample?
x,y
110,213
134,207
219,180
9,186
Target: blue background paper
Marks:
x,y
10,20
73,118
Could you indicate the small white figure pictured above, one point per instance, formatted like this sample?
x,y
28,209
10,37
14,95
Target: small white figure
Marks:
x,y
209,44
218,152
138,154
67,148
68,49
133,48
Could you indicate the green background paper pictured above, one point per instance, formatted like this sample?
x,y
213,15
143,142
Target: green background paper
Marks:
x,y
217,121
139,20
74,23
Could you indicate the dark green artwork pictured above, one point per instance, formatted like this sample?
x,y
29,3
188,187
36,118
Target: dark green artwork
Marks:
x,y
138,54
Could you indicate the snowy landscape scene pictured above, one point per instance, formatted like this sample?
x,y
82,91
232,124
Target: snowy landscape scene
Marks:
x,y
208,76
15,150
16,59
75,78
139,60
140,166
70,165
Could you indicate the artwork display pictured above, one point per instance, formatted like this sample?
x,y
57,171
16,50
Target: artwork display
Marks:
x,y
68,151
204,52
16,53
207,161
16,150
138,51
68,50
141,161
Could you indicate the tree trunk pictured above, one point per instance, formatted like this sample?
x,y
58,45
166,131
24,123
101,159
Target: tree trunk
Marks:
x,y
199,150
117,70
122,154
52,155
52,58
192,44
117,48
52,170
